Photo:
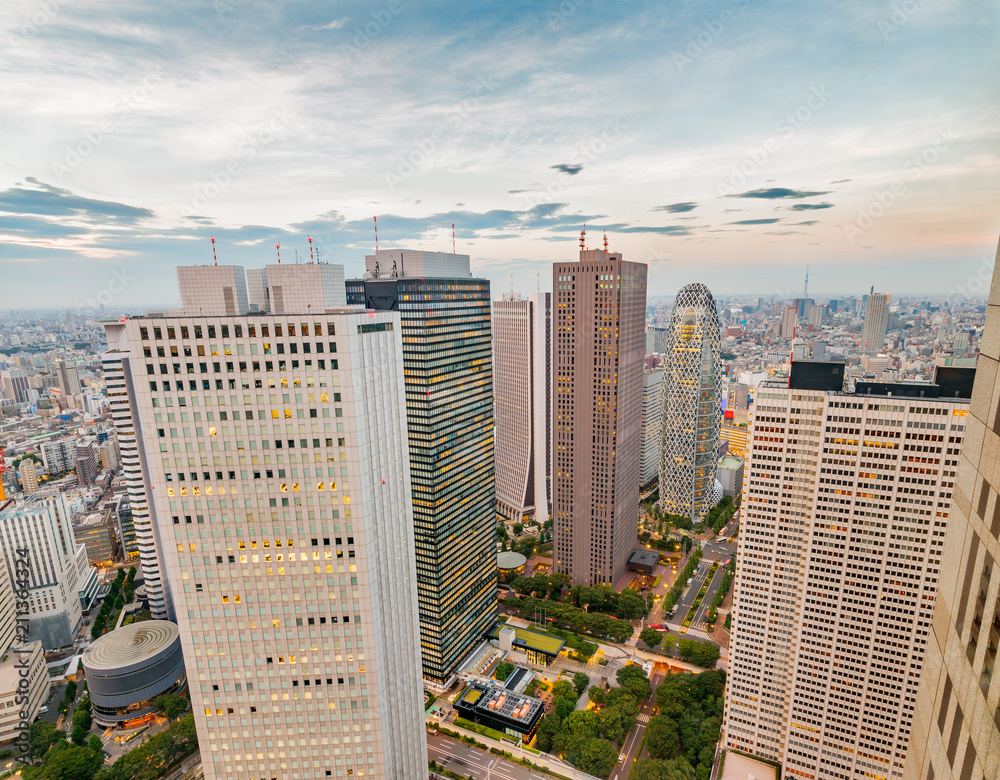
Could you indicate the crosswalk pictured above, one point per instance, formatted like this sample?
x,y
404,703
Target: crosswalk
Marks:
x,y
644,717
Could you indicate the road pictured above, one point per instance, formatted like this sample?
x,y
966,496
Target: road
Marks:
x,y
464,760
706,602
689,595
633,743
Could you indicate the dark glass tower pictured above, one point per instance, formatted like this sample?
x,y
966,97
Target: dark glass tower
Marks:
x,y
449,404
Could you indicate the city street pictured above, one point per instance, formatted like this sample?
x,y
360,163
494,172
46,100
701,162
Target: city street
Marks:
x,y
464,760
691,592
633,743
713,587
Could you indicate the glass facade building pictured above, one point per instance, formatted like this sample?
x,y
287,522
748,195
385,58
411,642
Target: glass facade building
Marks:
x,y
449,404
691,418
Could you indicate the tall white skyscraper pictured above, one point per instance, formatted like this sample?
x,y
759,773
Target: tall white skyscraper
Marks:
x,y
846,502
276,460
522,392
692,405
876,322
652,412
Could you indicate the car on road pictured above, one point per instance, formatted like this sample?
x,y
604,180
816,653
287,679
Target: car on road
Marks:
x,y
659,627
621,758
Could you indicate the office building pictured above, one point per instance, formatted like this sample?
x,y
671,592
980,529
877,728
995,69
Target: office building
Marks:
x,y
522,389
59,456
652,410
86,463
126,527
445,314
107,455
58,567
69,379
692,416
956,730
277,457
789,320
29,476
120,382
736,435
656,340
876,322
24,680
845,506
598,309
816,316
15,384
96,532
730,475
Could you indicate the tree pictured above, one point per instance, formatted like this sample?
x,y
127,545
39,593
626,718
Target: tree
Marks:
x,y
651,637
669,642
597,756
41,736
630,605
663,740
548,727
580,683
518,529
562,689
94,743
597,694
502,672
701,653
172,705
634,680
656,769
65,761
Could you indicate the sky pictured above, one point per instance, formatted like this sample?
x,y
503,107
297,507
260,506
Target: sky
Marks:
x,y
733,143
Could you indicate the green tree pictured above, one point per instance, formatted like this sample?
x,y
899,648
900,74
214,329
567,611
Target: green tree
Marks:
x,y
94,744
597,756
563,689
651,637
65,761
172,705
548,727
663,740
580,683
41,736
700,653
597,694
669,642
503,670
518,529
656,769
630,605
634,680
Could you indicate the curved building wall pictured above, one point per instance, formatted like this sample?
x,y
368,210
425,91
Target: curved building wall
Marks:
x,y
691,418
122,688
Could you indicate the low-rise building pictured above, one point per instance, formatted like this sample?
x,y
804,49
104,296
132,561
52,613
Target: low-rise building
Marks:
x,y
498,708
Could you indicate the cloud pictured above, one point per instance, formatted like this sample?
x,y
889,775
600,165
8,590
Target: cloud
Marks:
x,y
771,193
756,221
45,200
336,24
811,206
572,170
676,208
841,181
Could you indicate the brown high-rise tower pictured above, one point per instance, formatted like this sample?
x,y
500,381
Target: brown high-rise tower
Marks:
x,y
598,313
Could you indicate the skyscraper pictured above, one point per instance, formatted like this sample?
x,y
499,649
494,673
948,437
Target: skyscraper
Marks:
x,y
275,453
599,310
652,413
845,502
956,731
876,322
29,476
692,415
522,387
445,315
789,319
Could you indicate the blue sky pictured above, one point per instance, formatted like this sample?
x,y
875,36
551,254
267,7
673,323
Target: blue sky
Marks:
x,y
731,143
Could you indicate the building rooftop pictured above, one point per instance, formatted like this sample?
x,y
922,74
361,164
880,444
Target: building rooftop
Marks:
x,y
730,462
740,767
510,560
642,557
533,640
497,700
130,644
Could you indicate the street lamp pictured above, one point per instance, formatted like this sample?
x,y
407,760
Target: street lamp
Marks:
x,y
489,769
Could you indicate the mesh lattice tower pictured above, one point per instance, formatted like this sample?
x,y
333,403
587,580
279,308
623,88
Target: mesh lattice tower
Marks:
x,y
689,451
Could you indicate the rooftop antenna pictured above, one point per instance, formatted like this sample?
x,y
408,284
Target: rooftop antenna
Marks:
x,y
216,259
872,291
453,238
277,248
296,256
375,220
312,259
605,242
583,233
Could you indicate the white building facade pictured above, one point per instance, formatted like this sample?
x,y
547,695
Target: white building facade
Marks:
x,y
276,448
652,411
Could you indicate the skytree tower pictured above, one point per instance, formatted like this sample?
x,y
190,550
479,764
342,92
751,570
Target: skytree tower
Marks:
x,y
689,452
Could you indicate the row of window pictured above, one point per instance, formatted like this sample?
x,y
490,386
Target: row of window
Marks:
x,y
252,330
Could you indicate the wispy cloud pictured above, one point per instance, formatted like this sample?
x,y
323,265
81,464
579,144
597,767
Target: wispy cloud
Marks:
x,y
336,24
756,221
810,206
676,208
567,168
771,193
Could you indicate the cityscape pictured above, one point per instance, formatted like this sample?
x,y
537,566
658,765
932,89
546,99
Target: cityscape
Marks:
x,y
330,447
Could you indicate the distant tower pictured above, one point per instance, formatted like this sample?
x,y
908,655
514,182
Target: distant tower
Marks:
x,y
691,417
876,322
805,289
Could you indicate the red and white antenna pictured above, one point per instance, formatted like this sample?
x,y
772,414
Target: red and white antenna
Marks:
x,y
453,238
583,234
277,248
311,258
605,242
375,220
216,259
